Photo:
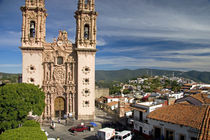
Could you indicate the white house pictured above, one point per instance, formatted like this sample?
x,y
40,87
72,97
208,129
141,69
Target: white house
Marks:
x,y
177,95
141,110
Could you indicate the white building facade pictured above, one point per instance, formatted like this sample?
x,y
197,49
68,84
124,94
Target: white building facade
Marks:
x,y
141,110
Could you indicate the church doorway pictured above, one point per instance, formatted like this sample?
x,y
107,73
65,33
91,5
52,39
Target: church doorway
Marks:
x,y
59,107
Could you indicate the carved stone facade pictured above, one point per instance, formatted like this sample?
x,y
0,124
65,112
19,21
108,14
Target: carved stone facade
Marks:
x,y
64,70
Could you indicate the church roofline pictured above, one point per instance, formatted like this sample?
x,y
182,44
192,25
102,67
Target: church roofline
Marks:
x,y
31,48
86,50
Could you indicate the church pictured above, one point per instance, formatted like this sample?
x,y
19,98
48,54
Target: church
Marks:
x,y
64,70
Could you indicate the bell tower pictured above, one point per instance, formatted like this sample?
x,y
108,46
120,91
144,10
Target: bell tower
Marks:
x,y
86,24
34,23
33,37
86,50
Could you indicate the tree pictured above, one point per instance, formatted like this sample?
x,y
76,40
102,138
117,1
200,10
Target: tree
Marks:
x,y
175,86
115,89
126,91
30,130
16,101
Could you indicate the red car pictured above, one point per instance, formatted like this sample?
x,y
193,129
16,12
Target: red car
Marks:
x,y
79,128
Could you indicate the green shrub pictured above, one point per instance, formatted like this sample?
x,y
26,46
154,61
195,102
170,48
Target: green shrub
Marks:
x,y
31,123
24,133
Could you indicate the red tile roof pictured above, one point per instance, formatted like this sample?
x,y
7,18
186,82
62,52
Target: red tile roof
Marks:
x,y
202,98
111,103
181,114
205,128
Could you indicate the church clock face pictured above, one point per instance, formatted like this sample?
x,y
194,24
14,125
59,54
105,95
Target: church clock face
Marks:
x,y
59,43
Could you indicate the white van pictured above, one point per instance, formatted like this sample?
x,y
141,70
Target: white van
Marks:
x,y
105,133
124,135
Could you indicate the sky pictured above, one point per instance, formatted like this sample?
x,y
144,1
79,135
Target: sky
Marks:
x,y
132,34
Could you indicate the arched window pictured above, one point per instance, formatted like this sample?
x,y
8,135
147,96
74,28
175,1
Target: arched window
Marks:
x,y
86,31
32,29
86,2
60,60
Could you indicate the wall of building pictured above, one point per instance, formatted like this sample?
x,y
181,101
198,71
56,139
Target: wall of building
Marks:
x,y
178,129
86,111
152,108
101,92
32,59
146,127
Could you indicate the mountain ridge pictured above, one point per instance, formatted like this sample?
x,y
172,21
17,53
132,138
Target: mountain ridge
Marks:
x,y
127,74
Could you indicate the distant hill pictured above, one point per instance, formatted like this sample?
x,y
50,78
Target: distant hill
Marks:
x,y
125,74
9,78
197,76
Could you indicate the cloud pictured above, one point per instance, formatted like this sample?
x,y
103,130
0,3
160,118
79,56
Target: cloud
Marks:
x,y
10,65
177,21
10,38
133,63
101,42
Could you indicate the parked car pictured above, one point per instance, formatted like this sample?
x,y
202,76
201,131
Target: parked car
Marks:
x,y
79,128
124,135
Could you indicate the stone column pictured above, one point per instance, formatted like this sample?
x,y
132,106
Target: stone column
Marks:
x,y
78,27
51,71
73,103
94,29
67,103
38,27
50,95
70,102
44,67
23,26
67,73
45,112
26,28
52,106
73,72
82,29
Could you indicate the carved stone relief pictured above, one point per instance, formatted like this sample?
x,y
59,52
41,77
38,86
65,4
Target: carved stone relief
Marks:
x,y
59,75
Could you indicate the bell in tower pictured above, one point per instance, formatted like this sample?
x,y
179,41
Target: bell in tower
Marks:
x,y
32,29
86,32
86,24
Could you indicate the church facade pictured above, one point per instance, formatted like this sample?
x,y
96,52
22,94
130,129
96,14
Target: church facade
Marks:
x,y
64,70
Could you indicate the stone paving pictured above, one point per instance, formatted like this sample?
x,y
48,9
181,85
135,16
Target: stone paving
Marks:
x,y
61,129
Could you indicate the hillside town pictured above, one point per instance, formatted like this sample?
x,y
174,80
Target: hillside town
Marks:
x,y
177,108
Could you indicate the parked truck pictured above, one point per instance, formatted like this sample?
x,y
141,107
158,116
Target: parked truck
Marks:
x,y
105,133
